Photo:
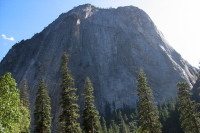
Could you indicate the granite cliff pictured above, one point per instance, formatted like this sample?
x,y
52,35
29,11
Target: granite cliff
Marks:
x,y
107,45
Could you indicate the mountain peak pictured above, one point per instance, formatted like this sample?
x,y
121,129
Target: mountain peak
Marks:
x,y
83,11
107,45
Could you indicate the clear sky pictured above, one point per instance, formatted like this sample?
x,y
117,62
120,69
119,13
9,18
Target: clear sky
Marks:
x,y
178,20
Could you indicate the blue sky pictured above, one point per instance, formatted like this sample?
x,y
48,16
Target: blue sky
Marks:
x,y
178,20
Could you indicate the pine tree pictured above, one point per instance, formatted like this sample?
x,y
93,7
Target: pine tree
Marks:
x,y
104,127
125,117
114,127
24,98
148,112
169,117
108,113
90,114
124,127
67,122
42,119
189,116
163,112
24,95
119,116
110,129
133,126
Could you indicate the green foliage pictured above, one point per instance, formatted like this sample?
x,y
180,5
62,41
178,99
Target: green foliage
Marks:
x,y
10,107
42,112
169,117
163,112
189,117
69,108
142,130
124,128
103,125
15,110
24,95
114,128
25,109
25,122
168,112
133,126
108,113
122,119
148,112
90,114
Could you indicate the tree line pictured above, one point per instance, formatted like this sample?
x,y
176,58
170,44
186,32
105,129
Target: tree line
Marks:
x,y
177,115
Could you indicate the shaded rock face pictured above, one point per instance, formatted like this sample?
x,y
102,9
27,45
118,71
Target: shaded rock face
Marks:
x,y
196,91
107,45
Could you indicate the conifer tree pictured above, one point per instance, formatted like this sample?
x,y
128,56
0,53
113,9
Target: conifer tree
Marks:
x,y
24,95
163,112
125,117
25,109
119,116
148,112
67,122
110,129
189,116
133,126
124,127
104,127
42,119
90,114
114,127
169,117
108,113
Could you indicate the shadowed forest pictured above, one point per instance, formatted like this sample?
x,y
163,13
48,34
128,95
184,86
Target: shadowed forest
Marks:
x,y
178,115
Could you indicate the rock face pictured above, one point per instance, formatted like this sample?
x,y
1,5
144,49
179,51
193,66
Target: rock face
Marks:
x,y
107,45
196,91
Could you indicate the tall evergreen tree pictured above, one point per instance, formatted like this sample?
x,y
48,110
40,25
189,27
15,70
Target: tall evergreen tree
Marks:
x,y
114,128
90,114
42,119
67,122
110,129
108,113
169,117
104,127
24,95
24,98
133,126
148,112
125,117
189,116
124,127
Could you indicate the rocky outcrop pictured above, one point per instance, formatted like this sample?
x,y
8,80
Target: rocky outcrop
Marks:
x,y
107,45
